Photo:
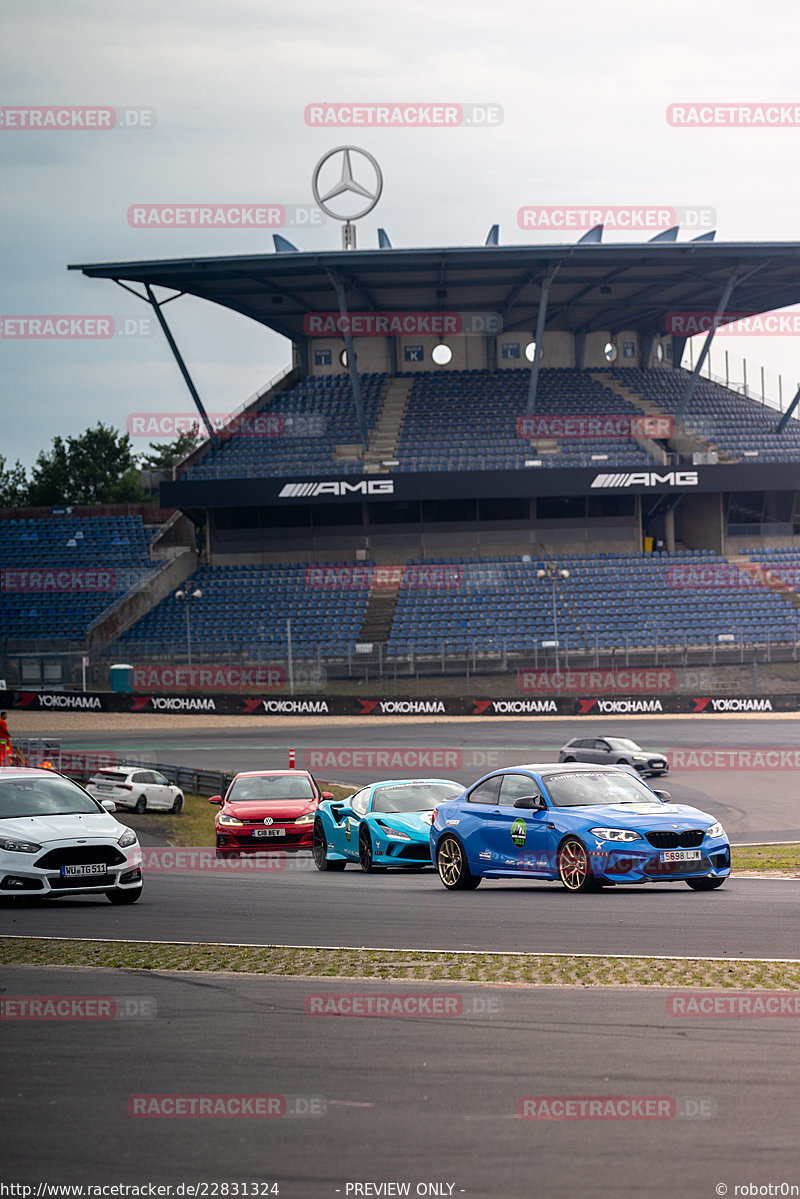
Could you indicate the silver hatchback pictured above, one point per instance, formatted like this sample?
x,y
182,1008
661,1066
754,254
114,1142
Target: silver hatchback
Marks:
x,y
613,751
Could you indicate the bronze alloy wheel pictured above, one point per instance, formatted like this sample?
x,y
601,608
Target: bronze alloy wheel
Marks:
x,y
451,863
574,868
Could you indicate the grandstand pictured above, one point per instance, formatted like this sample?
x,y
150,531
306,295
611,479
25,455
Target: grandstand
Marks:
x,y
484,455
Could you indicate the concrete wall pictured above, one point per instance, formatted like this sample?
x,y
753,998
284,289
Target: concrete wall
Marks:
x,y
133,607
699,523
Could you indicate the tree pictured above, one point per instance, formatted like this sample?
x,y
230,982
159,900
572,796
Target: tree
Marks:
x,y
98,467
164,457
13,485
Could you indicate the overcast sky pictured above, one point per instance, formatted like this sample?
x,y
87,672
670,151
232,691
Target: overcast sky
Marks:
x,y
583,87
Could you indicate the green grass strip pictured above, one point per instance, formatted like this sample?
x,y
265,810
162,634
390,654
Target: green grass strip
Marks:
x,y
396,965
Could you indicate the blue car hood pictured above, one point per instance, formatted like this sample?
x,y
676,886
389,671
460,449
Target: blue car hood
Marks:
x,y
416,824
655,815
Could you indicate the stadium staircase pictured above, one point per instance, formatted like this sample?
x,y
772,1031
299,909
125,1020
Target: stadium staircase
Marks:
x,y
378,615
756,566
385,433
687,443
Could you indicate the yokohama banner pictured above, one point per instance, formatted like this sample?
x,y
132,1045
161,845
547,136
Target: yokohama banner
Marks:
x,y
543,704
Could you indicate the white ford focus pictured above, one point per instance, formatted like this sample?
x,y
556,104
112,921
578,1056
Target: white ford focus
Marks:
x,y
57,840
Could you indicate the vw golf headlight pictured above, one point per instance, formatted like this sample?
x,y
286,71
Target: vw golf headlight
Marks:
x,y
716,830
127,838
230,820
15,846
307,819
615,834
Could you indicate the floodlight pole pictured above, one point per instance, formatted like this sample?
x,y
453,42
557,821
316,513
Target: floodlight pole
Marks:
x,y
355,382
181,365
537,352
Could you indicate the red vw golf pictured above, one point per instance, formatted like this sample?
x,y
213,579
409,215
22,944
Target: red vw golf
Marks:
x,y
262,808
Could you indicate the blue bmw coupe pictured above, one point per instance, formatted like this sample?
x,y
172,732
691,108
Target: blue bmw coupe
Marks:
x,y
384,824
586,826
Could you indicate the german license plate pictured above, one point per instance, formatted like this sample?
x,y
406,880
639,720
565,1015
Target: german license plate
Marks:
x,y
680,855
269,832
79,871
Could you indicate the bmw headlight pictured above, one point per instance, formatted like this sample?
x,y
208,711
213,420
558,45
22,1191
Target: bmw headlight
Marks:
x,y
230,820
395,832
716,830
14,846
307,819
615,834
127,838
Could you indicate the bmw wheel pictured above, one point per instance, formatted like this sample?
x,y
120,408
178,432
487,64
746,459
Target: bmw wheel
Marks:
x,y
574,867
451,862
319,850
140,805
704,884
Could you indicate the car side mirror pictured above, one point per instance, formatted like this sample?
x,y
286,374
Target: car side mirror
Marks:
x,y
108,804
215,799
529,801
328,795
665,795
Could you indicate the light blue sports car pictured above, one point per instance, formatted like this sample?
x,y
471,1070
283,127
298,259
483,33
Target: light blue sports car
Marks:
x,y
385,824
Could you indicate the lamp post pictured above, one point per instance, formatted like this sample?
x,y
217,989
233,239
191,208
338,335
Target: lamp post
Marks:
x,y
553,574
185,597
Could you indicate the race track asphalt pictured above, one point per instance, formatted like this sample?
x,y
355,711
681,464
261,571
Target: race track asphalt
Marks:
x,y
413,1100
753,803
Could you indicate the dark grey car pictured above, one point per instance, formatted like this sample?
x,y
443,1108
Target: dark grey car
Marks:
x,y
613,751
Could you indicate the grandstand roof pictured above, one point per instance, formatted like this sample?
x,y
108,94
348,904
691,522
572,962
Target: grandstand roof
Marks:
x,y
608,287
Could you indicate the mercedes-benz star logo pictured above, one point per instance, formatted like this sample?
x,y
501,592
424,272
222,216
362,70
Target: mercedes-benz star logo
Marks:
x,y
347,184
267,820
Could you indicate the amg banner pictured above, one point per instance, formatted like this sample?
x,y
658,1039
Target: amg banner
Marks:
x,y
229,704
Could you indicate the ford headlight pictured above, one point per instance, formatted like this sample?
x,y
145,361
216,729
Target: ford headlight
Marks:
x,y
716,830
127,838
15,846
616,834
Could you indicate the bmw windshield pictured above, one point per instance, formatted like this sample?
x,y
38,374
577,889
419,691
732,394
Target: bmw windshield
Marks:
x,y
587,789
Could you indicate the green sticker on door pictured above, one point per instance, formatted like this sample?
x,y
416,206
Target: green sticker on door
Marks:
x,y
519,833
